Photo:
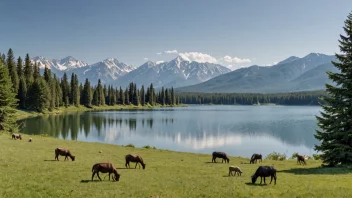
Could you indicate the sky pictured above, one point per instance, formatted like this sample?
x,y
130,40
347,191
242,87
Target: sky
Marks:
x,y
228,32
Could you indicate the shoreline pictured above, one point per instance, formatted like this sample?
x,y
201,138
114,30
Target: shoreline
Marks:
x,y
24,114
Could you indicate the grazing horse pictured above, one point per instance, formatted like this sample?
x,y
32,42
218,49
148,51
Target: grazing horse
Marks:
x,y
105,168
134,158
221,155
256,157
63,152
300,159
264,171
16,136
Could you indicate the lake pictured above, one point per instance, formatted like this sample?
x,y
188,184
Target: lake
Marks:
x,y
236,130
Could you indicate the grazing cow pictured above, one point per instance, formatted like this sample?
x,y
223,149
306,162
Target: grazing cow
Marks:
x,y
264,171
63,152
235,169
134,158
221,155
16,136
300,159
105,168
256,157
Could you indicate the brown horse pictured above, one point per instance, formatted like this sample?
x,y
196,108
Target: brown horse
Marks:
x,y
256,157
221,155
134,158
300,159
105,168
16,136
63,152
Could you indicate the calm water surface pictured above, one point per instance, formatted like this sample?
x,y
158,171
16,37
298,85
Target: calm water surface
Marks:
x,y
236,130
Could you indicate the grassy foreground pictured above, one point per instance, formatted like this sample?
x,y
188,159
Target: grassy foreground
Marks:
x,y
22,114
29,170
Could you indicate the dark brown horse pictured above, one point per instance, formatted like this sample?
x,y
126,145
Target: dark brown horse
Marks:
x,y
256,157
16,136
105,168
221,155
63,152
134,158
300,159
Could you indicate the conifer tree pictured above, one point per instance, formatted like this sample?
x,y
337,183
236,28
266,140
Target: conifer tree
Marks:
x,y
122,97
65,90
20,67
47,74
12,70
36,71
3,58
87,96
173,99
127,98
39,95
28,71
7,101
335,133
142,96
22,93
95,100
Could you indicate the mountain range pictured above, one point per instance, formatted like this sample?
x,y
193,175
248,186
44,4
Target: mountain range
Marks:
x,y
292,74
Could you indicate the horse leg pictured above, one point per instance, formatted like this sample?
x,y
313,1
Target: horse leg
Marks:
x,y
65,158
264,181
126,164
230,172
98,176
109,176
271,179
93,175
136,165
261,180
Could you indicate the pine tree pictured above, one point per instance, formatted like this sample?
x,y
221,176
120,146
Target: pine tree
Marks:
x,y
87,96
65,90
142,96
127,99
52,90
100,92
74,94
20,67
95,100
173,99
163,97
7,101
36,71
58,90
122,97
3,58
22,93
12,70
28,71
335,121
39,95
47,74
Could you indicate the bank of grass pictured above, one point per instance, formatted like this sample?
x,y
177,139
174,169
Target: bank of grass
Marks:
x,y
22,114
28,170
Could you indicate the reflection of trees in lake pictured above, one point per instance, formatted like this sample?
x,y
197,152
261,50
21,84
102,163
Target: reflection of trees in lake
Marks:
x,y
77,125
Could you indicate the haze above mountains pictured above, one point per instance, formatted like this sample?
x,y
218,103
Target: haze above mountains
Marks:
x,y
292,74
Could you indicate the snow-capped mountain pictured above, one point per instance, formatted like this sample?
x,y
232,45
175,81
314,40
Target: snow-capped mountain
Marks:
x,y
107,71
59,64
178,72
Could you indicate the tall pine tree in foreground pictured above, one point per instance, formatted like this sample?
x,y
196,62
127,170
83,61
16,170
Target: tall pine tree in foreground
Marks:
x,y
335,121
7,101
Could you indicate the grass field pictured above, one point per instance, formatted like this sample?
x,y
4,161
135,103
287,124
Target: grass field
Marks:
x,y
29,170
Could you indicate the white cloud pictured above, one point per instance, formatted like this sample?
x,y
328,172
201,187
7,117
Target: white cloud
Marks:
x,y
145,59
161,61
197,57
229,59
171,52
158,53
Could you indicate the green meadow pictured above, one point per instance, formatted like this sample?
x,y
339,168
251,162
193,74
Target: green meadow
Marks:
x,y
28,169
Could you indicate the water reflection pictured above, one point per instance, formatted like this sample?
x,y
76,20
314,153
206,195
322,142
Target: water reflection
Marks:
x,y
237,132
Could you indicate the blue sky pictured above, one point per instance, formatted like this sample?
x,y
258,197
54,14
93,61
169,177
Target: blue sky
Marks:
x,y
256,32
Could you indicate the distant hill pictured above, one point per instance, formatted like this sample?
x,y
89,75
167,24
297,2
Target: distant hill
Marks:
x,y
292,74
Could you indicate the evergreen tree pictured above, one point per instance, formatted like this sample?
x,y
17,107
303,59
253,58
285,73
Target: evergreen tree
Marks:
x,y
74,94
335,121
58,90
87,96
22,93
7,101
39,95
100,92
127,99
142,96
20,67
65,90
12,70
28,71
3,58
36,71
163,96
122,97
47,74
52,91
173,99
95,100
